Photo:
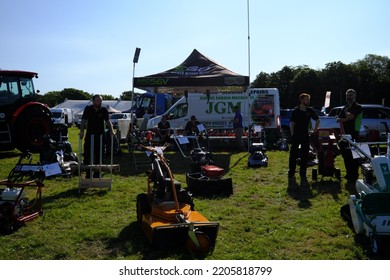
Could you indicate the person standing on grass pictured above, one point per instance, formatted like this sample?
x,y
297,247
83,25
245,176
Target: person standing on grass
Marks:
x,y
238,128
94,118
300,122
350,119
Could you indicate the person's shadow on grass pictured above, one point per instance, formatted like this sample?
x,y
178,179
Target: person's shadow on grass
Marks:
x,y
300,193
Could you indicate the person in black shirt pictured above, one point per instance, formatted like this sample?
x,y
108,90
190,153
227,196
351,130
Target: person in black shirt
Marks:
x,y
350,119
94,118
300,122
164,130
191,127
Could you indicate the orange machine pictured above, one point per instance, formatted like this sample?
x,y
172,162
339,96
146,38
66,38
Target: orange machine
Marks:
x,y
166,212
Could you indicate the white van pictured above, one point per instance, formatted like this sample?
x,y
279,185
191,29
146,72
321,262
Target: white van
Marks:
x,y
215,110
62,115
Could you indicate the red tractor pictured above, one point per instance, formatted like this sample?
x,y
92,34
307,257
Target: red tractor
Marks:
x,y
23,121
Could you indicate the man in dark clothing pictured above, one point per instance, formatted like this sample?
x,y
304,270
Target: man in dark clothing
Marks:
x,y
94,117
238,128
300,122
350,119
191,127
164,130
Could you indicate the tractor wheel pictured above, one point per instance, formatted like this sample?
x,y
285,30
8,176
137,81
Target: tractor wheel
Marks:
x,y
143,206
314,174
201,250
30,127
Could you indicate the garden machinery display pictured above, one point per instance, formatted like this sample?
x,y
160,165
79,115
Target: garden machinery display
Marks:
x,y
369,208
166,212
257,156
16,205
204,178
325,147
57,148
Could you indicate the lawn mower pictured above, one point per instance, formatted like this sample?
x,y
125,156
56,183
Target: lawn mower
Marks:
x,y
204,178
57,148
166,212
257,156
15,207
369,208
325,147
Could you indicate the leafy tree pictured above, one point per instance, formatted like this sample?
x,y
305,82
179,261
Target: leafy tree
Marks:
x,y
53,98
337,77
126,95
307,80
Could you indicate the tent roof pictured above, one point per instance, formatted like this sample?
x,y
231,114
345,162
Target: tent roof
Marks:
x,y
78,105
195,74
111,109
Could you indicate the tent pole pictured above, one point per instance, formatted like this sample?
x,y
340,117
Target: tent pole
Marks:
x,y
132,94
249,45
135,60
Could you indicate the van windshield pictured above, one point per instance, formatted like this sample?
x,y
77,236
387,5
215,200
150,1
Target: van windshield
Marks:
x,y
179,111
56,115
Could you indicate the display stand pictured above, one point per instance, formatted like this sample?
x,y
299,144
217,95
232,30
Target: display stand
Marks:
x,y
100,182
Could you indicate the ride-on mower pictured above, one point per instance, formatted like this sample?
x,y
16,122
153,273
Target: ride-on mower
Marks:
x,y
166,212
369,209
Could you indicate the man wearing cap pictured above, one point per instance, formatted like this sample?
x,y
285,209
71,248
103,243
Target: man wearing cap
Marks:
x,y
191,127
164,130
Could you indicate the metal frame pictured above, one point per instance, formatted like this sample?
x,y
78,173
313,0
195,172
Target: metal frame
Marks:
x,y
85,183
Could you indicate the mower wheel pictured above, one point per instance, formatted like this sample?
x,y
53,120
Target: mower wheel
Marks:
x,y
202,249
314,174
143,206
377,245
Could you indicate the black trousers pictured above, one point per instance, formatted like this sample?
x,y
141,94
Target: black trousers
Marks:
x,y
295,152
351,164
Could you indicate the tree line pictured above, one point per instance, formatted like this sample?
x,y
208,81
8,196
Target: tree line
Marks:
x,y
53,98
370,77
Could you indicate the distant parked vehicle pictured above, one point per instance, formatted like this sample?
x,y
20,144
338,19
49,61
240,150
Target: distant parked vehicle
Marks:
x,y
62,115
119,116
375,122
285,115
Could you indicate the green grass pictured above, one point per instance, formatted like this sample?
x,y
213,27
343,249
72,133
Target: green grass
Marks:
x,y
263,219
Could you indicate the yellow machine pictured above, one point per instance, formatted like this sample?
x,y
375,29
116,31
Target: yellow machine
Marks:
x,y
166,212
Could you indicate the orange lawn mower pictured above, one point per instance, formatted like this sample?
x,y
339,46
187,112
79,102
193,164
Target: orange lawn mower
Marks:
x,y
166,212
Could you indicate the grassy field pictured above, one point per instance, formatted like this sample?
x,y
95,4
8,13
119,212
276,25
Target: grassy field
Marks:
x,y
265,218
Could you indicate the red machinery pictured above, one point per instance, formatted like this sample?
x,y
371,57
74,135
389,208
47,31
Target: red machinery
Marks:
x,y
15,207
325,145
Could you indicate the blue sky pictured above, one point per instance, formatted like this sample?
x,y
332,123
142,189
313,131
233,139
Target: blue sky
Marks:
x,y
89,45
